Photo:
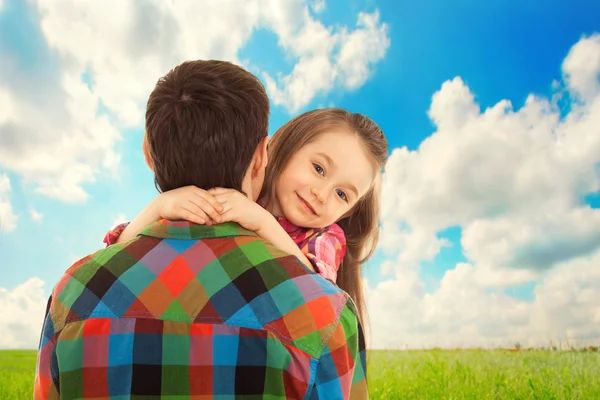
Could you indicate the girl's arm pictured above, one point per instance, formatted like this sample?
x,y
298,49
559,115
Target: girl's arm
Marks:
x,y
146,217
239,208
188,203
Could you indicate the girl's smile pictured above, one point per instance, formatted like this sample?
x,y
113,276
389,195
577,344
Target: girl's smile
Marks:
x,y
323,180
306,206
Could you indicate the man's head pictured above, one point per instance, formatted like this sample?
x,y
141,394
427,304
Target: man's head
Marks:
x,y
207,125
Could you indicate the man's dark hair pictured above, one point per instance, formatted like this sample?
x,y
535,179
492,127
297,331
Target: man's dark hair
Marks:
x,y
204,121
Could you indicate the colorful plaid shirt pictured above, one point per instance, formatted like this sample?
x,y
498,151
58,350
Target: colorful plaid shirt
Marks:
x,y
187,311
325,247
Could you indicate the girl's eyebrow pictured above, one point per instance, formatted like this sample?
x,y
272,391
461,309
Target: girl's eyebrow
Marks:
x,y
353,188
327,158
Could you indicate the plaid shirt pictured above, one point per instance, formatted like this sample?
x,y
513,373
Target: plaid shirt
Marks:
x,y
195,312
324,247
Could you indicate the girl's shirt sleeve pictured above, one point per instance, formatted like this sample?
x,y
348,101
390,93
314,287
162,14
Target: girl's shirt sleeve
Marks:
x,y
326,251
112,235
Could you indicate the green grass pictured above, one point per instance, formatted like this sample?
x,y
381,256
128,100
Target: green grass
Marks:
x,y
429,374
17,371
484,374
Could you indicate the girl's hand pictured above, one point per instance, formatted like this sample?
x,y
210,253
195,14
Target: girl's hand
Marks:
x,y
239,208
189,203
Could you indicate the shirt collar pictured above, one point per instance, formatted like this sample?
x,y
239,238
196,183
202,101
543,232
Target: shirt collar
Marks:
x,y
185,230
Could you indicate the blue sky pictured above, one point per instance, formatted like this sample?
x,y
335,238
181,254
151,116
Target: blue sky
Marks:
x,y
500,49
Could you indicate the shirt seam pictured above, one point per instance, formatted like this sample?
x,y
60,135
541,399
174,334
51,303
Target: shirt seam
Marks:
x,y
323,343
309,350
313,378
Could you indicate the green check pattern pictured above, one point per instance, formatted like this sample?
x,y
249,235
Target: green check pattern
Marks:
x,y
187,311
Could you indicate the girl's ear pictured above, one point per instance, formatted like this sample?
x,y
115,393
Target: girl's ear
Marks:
x,y
147,152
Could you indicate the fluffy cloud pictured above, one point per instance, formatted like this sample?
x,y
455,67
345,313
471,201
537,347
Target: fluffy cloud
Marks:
x,y
512,179
326,58
61,125
51,133
317,5
581,68
22,315
125,50
463,313
8,220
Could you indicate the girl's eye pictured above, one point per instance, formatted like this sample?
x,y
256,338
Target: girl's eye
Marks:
x,y
341,194
319,169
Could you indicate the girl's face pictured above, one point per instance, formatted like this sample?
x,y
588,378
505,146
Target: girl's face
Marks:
x,y
323,180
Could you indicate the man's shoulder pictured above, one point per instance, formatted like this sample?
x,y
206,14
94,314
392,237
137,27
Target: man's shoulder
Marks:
x,y
241,281
95,284
298,305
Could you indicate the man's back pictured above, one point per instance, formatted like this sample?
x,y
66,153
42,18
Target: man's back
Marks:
x,y
189,311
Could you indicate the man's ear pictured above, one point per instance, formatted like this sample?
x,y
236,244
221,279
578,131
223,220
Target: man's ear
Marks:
x,y
147,152
262,156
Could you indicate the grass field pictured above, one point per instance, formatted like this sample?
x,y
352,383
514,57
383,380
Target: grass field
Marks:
x,y
428,374
17,369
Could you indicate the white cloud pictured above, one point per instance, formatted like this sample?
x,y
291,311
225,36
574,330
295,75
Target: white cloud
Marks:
x,y
8,220
51,134
532,242
22,315
36,216
416,243
317,6
326,57
581,68
511,179
139,42
464,313
119,219
61,125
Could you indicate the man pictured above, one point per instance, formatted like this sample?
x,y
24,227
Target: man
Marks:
x,y
191,311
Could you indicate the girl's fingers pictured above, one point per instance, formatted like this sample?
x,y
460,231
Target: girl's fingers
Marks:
x,y
227,206
194,216
207,208
227,216
223,198
209,198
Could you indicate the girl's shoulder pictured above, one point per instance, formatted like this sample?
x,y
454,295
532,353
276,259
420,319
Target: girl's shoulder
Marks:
x,y
303,235
333,230
332,234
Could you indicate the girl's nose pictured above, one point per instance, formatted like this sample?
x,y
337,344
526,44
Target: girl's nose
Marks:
x,y
319,196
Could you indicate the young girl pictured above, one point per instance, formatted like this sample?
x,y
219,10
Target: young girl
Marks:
x,y
319,200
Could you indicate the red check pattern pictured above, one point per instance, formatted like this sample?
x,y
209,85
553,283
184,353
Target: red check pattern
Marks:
x,y
193,312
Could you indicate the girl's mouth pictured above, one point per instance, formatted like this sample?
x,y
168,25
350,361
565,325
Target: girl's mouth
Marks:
x,y
306,205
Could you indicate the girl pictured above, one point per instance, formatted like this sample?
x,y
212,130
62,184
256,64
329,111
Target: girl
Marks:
x,y
319,200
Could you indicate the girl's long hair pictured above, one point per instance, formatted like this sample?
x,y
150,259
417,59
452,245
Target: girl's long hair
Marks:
x,y
361,224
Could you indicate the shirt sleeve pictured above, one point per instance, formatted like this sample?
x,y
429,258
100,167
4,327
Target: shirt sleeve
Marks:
x,y
112,235
46,370
326,251
342,369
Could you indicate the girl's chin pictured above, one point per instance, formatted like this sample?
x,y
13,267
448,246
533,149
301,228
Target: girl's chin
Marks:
x,y
304,223
297,219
